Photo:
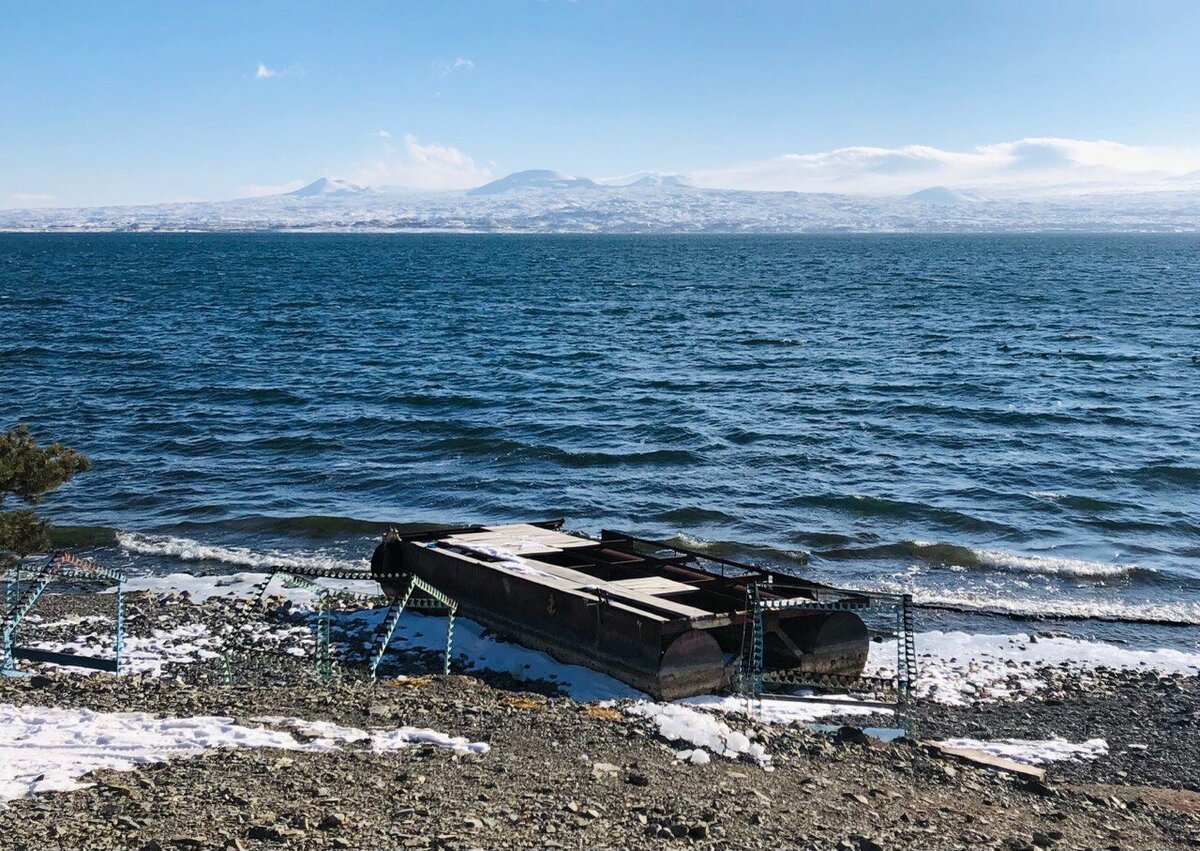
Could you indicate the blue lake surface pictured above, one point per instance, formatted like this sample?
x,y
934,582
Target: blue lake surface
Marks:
x,y
1006,422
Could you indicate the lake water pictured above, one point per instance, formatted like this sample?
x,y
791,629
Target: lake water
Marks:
x,y
1009,423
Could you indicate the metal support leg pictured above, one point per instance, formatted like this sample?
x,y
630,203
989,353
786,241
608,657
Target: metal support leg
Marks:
x,y
906,665
756,646
12,591
390,624
119,637
449,638
324,663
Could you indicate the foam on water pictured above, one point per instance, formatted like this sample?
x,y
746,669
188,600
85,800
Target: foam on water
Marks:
x,y
957,555
187,549
1058,606
1002,560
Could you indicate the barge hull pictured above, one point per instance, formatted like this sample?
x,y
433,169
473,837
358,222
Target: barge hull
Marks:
x,y
657,623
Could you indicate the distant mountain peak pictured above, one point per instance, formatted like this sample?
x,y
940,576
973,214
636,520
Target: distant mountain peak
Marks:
x,y
328,186
942,195
648,178
536,178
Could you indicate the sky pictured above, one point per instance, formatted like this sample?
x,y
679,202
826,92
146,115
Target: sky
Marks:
x,y
132,102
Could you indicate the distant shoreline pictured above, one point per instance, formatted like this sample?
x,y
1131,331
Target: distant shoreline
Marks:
x,y
526,232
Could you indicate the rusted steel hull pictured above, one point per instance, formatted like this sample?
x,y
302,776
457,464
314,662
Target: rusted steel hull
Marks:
x,y
659,625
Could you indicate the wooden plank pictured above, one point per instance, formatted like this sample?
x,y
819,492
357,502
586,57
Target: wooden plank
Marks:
x,y
654,585
640,599
564,580
502,543
987,760
551,537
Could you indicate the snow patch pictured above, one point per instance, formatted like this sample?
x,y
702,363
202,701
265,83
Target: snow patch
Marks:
x,y
1035,752
706,732
776,711
47,750
381,740
143,654
241,586
957,668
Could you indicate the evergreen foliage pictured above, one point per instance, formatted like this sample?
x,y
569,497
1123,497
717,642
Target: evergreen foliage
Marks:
x,y
28,472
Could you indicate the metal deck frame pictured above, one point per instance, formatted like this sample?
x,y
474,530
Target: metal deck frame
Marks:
x,y
434,599
430,598
753,677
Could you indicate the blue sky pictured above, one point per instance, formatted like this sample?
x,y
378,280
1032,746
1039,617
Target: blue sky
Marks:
x,y
139,102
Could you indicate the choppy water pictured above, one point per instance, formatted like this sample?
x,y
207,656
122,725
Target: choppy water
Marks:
x,y
1012,422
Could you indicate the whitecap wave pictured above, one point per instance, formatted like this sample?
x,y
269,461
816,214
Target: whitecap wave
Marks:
x,y
186,549
1053,565
967,558
1057,607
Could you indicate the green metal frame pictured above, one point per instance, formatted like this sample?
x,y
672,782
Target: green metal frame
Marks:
x,y
437,600
19,601
433,599
322,655
753,677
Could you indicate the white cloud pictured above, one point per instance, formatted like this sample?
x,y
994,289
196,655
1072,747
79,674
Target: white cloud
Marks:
x,y
382,134
1026,165
258,190
457,64
422,167
265,73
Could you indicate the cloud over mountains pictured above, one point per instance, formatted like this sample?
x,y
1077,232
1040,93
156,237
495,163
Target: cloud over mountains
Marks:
x,y
414,166
1028,165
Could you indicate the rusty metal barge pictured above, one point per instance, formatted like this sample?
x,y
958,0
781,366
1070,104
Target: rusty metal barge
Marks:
x,y
667,620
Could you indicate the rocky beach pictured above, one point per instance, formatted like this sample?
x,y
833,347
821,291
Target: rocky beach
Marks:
x,y
244,747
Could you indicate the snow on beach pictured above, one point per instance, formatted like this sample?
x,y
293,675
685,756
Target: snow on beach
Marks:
x,y
181,645
956,668
45,749
472,641
708,733
1034,752
380,740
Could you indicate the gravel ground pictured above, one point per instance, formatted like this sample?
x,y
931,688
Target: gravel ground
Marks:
x,y
1151,724
570,775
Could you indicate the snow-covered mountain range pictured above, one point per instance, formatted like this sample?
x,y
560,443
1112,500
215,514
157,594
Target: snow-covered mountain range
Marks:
x,y
547,201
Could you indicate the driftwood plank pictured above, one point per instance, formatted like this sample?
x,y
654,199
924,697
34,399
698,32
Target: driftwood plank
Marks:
x,y
978,757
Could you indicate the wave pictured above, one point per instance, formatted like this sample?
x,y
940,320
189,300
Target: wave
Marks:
x,y
496,447
861,505
736,549
1015,608
691,514
310,525
956,555
186,549
68,537
1167,473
